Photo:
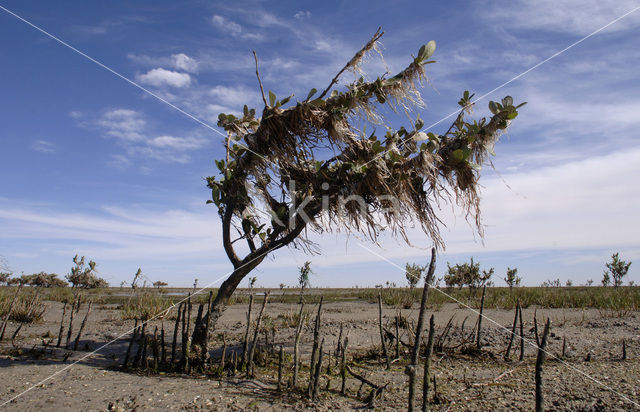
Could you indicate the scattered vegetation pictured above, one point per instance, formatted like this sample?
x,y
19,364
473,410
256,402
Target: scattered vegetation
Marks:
x,y
618,269
512,279
467,274
84,276
413,272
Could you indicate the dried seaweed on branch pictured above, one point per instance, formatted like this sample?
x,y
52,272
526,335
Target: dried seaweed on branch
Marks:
x,y
305,167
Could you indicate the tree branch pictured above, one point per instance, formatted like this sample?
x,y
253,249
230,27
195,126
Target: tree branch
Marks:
x,y
357,57
226,236
264,99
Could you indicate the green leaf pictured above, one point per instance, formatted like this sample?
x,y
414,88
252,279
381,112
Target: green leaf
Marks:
x,y
422,53
512,115
507,101
285,100
272,98
317,102
381,98
311,93
430,48
246,110
419,124
493,107
423,147
458,155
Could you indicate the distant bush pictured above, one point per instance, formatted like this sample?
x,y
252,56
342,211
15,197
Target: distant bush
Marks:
x,y
467,274
512,279
413,272
84,276
43,279
618,269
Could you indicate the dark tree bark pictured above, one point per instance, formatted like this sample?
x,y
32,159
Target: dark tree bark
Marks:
x,y
411,368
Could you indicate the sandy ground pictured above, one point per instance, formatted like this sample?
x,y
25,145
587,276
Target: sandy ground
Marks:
x,y
464,381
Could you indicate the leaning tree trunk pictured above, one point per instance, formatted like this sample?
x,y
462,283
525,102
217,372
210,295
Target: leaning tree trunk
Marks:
x,y
219,305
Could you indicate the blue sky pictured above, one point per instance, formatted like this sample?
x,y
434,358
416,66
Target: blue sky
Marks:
x,y
93,165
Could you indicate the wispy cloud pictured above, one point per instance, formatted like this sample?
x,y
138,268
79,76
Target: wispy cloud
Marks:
x,y
43,146
302,15
227,26
132,131
576,17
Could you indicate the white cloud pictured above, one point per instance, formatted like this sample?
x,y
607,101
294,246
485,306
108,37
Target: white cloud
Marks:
x,y
132,132
115,233
578,17
222,23
119,161
43,146
234,29
301,15
160,77
123,124
177,143
183,62
234,97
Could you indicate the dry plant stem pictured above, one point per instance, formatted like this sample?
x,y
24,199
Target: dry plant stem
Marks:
x,y
264,99
397,336
314,350
411,368
564,346
175,334
82,325
539,363
252,349
206,329
478,336
535,327
351,62
296,344
74,308
377,389
184,335
61,331
234,356
245,342
6,317
224,351
427,366
162,345
513,333
280,362
339,343
134,336
384,345
343,366
156,351
318,370
144,359
138,357
521,333
15,334
624,350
